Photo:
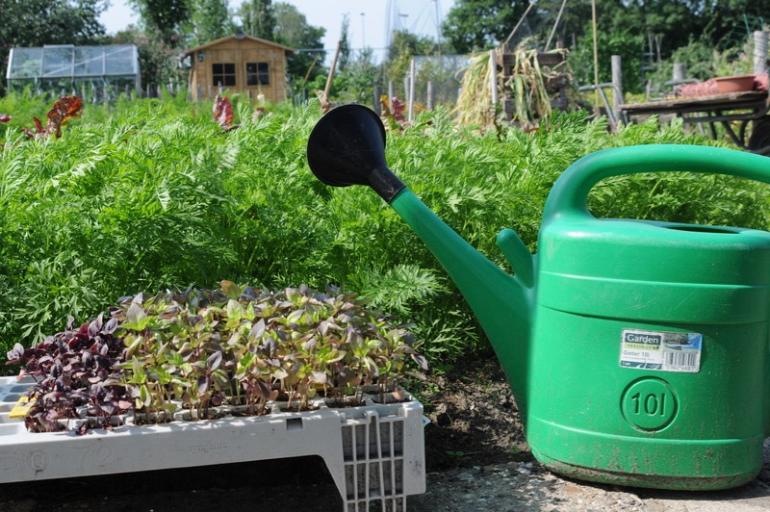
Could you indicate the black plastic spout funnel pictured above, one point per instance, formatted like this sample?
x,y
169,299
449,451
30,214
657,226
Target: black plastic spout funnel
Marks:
x,y
347,147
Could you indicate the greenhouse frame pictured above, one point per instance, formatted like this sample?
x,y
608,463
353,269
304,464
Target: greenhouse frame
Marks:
x,y
83,70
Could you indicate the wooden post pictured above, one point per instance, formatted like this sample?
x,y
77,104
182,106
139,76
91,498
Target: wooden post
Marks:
x,y
377,93
309,70
610,111
429,94
617,84
325,105
680,72
390,95
518,24
760,52
555,26
412,77
493,79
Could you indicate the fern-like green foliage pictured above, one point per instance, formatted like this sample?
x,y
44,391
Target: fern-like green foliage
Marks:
x,y
148,194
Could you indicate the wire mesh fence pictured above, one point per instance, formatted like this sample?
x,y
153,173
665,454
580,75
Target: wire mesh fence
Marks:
x,y
437,79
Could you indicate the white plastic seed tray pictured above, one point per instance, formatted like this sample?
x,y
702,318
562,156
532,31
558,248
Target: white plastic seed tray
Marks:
x,y
375,453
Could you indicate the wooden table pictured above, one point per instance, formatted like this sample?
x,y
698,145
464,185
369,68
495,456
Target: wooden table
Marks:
x,y
725,109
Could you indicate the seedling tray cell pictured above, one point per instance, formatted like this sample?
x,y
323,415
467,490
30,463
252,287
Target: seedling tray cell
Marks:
x,y
375,452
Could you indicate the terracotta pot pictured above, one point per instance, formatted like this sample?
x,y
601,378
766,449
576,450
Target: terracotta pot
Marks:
x,y
728,84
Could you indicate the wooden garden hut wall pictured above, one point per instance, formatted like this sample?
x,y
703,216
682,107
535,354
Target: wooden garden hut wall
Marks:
x,y
238,64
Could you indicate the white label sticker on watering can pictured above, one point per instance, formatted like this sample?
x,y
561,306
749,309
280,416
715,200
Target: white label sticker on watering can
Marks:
x,y
665,351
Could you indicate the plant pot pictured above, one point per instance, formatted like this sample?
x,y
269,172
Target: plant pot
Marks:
x,y
740,83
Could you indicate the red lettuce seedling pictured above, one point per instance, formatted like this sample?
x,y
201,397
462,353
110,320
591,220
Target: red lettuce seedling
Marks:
x,y
393,112
223,113
76,376
64,109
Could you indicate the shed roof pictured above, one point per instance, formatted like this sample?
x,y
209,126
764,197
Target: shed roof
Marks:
x,y
238,38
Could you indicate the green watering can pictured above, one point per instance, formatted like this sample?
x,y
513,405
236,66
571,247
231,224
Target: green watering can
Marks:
x,y
638,352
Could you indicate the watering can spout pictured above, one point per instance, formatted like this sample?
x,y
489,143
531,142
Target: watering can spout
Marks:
x,y
347,147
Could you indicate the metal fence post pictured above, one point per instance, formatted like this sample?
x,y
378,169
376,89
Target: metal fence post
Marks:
x,y
760,52
377,93
493,78
680,72
412,73
617,85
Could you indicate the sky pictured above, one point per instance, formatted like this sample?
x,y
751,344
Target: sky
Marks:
x,y
368,30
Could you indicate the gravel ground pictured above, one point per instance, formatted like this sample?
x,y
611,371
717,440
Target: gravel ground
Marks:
x,y
526,487
477,460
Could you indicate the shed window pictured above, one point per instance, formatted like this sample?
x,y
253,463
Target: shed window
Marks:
x,y
257,73
223,74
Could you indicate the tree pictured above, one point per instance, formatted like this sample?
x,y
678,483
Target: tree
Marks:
x,y
473,25
210,20
628,44
404,45
354,84
39,22
344,58
571,25
258,18
165,19
293,30
727,23
157,59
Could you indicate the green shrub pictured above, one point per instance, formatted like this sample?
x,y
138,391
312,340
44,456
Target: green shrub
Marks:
x,y
151,194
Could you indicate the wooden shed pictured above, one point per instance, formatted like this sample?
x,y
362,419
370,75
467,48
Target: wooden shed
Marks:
x,y
238,63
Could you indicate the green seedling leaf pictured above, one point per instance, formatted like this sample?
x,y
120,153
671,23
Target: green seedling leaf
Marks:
x,y
134,345
230,289
214,361
203,385
234,310
234,340
258,329
421,361
139,376
136,318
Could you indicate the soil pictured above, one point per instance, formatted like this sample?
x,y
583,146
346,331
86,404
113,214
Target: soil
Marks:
x,y
474,419
476,455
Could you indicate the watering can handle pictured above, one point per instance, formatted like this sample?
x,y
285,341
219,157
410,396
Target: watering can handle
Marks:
x,y
570,192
